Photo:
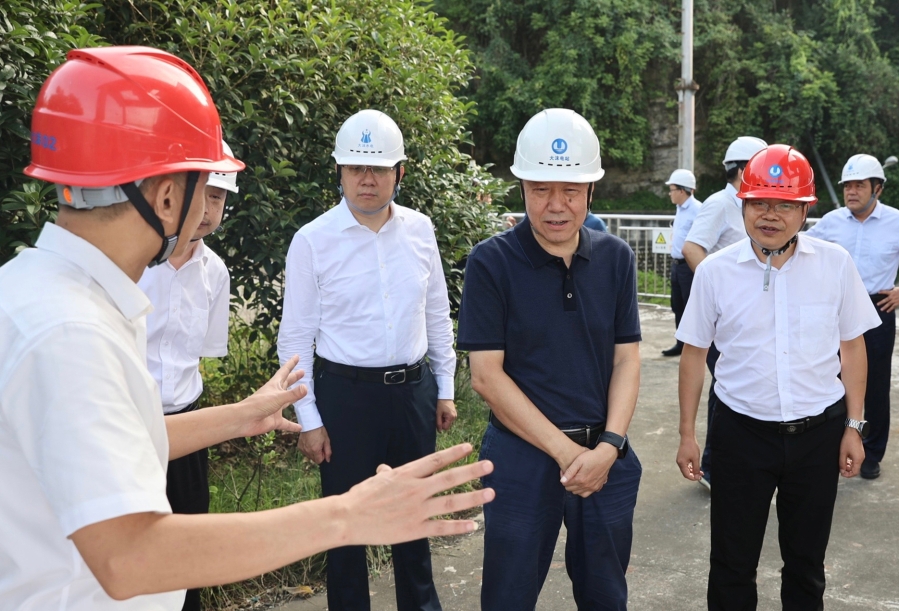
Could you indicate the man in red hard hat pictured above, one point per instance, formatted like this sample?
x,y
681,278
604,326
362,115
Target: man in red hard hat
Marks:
x,y
129,136
779,305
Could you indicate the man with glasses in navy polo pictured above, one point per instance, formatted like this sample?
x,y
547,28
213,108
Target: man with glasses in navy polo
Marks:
x,y
549,315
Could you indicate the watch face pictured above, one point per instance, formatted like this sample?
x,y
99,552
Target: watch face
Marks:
x,y
865,428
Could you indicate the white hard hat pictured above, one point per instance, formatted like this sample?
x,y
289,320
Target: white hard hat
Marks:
x,y
369,137
742,149
682,178
558,145
860,167
228,181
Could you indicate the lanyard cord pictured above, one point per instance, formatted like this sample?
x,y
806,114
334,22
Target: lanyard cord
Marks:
x,y
773,253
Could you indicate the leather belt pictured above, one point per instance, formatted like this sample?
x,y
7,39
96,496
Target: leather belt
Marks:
x,y
795,427
586,436
395,374
877,298
678,261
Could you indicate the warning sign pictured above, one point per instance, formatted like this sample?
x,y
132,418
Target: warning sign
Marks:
x,y
661,240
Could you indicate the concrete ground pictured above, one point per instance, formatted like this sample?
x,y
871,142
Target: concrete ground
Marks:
x,y
669,563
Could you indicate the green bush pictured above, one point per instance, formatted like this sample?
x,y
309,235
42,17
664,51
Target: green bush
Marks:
x,y
285,75
34,38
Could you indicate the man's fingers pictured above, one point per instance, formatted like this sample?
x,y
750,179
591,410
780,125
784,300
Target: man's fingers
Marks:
x,y
572,471
446,528
430,464
446,480
288,426
452,503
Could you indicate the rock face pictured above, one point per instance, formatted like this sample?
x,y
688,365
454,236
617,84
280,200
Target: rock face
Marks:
x,y
621,182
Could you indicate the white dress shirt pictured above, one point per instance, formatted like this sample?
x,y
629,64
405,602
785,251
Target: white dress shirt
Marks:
x,y
683,221
189,321
778,348
366,299
873,244
719,222
82,436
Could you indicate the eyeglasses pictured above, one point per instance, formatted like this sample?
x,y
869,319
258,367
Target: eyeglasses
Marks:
x,y
780,208
376,170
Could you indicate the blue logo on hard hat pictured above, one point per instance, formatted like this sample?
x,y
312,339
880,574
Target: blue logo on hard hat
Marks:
x,y
559,146
366,136
775,171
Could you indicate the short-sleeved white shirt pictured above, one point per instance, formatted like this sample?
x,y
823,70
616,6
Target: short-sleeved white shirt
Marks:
x,y
189,321
719,223
82,436
778,347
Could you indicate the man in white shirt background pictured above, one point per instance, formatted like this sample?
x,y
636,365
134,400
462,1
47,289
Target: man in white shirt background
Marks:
x,y
720,224
681,186
83,441
365,287
869,230
190,293
780,306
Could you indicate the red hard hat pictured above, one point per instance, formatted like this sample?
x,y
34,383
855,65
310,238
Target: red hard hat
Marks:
x,y
113,115
779,172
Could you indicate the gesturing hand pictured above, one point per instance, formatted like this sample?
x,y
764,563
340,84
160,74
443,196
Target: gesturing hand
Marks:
x,y
396,505
261,412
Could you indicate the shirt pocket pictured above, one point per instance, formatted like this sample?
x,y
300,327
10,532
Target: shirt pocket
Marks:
x,y
197,329
816,328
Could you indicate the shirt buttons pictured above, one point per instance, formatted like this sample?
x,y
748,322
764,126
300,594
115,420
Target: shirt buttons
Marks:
x,y
385,295
569,295
390,326
165,343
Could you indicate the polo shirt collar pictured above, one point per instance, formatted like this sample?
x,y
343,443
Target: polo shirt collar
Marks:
x,y
535,253
125,294
345,218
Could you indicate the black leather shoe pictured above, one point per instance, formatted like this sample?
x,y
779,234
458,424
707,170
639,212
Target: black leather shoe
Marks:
x,y
673,351
870,470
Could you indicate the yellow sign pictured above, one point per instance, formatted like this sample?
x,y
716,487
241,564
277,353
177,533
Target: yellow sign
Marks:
x,y
660,240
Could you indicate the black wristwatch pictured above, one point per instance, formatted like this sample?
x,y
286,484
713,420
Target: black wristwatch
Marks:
x,y
861,426
620,443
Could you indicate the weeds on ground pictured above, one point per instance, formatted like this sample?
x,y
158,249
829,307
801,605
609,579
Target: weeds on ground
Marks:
x,y
267,472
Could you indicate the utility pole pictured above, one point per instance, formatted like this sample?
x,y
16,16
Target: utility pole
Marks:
x,y
686,90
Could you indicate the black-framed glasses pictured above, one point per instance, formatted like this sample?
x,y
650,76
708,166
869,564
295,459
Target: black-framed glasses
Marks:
x,y
359,170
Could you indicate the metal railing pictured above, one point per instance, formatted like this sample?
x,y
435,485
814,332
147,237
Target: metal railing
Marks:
x,y
653,268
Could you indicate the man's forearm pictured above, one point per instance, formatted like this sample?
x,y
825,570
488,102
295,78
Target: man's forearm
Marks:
x,y
623,387
854,374
691,377
200,429
516,411
694,254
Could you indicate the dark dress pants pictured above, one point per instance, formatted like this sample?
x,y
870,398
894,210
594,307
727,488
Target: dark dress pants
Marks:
x,y
705,464
187,486
879,343
750,463
523,521
370,424
681,281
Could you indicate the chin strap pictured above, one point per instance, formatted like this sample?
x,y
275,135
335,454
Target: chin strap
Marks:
x,y
773,253
138,200
867,207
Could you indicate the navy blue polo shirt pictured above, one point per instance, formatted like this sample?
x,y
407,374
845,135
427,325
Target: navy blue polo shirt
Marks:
x,y
558,326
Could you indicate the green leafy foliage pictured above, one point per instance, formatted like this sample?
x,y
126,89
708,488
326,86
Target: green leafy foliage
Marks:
x,y
34,38
284,76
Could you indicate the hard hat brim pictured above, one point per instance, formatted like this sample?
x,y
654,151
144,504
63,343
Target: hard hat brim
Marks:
x,y
365,160
107,179
549,175
774,193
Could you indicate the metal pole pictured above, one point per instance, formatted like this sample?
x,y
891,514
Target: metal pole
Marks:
x,y
820,162
686,89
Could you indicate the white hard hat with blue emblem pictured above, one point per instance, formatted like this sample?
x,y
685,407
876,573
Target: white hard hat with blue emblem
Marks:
x,y
558,144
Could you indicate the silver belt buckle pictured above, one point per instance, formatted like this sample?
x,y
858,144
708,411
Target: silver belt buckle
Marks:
x,y
394,377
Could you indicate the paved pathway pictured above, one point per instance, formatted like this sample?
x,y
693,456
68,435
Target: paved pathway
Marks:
x,y
669,563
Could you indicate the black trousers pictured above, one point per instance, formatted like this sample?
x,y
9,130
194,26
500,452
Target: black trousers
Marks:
x,y
369,424
711,359
750,463
681,281
187,486
879,343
